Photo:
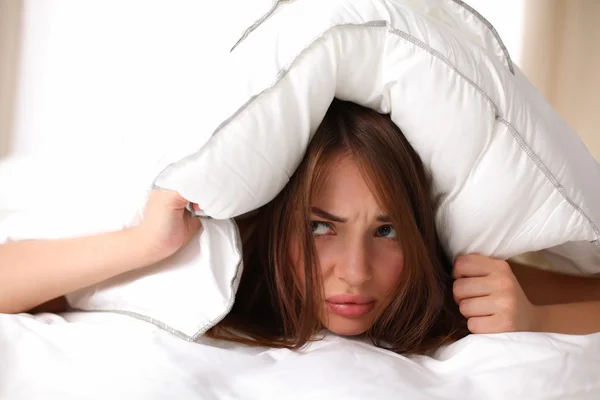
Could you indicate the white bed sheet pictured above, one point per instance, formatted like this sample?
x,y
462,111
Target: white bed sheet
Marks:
x,y
111,356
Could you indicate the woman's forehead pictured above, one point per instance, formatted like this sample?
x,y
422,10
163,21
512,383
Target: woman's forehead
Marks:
x,y
344,188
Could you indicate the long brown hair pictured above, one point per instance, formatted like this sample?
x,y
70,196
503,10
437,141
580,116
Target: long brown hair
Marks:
x,y
270,309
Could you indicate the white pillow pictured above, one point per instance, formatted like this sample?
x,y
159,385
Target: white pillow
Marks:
x,y
510,174
89,171
184,294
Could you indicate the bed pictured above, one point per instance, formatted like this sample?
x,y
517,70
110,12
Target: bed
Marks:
x,y
106,355
132,344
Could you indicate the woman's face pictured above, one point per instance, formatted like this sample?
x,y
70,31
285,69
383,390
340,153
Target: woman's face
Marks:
x,y
359,255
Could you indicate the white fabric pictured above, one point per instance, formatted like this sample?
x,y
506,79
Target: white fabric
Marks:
x,y
107,356
184,294
87,150
509,175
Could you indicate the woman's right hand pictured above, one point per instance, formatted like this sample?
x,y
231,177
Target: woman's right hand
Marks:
x,y
167,225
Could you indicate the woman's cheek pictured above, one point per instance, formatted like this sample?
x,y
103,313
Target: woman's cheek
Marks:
x,y
390,266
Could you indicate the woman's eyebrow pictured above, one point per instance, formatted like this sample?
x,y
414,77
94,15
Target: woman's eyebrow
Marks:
x,y
326,215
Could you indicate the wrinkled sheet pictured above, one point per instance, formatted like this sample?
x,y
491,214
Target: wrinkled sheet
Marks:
x,y
105,355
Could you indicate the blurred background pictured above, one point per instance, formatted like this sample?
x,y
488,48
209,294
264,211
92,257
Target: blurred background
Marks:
x,y
43,66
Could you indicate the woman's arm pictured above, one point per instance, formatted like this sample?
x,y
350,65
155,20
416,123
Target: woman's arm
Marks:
x,y
497,297
571,318
34,272
565,304
546,287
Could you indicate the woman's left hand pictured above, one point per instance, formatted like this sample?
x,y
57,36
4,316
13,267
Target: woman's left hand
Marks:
x,y
490,297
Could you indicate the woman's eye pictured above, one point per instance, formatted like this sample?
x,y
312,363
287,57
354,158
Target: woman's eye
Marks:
x,y
320,228
386,231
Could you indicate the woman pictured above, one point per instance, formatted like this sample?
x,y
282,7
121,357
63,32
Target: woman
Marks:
x,y
349,245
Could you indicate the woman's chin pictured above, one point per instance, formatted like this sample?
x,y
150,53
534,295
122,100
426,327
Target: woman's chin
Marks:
x,y
347,327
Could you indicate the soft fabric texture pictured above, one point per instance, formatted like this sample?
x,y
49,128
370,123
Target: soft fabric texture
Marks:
x,y
509,175
99,182
184,294
98,356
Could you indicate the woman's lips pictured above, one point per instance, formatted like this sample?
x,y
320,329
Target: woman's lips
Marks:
x,y
350,306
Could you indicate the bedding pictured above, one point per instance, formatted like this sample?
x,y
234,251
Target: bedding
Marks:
x,y
93,131
110,356
184,294
509,177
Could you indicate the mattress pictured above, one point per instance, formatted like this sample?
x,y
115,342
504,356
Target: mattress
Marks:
x,y
111,356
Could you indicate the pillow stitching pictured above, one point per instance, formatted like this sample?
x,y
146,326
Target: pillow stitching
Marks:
x,y
283,72
168,328
236,276
524,146
257,23
460,3
141,317
489,25
279,76
549,176
382,23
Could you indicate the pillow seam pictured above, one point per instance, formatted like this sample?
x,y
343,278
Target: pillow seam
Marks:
x,y
460,3
141,317
383,23
493,30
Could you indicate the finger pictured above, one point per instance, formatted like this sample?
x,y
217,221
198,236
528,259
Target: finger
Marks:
x,y
463,288
490,324
477,307
471,266
177,199
502,268
194,224
481,324
167,197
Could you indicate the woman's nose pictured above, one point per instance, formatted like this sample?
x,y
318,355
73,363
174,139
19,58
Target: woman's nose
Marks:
x,y
353,265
